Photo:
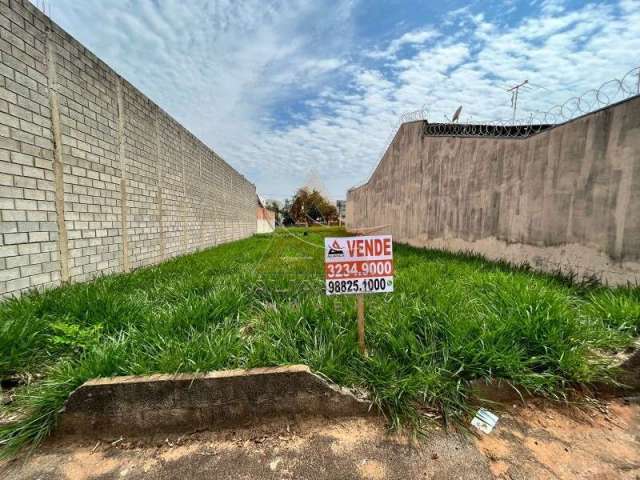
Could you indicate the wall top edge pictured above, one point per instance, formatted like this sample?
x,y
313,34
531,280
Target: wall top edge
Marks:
x,y
58,30
547,130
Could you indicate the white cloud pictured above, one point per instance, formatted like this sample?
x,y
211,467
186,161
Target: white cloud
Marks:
x,y
416,37
280,88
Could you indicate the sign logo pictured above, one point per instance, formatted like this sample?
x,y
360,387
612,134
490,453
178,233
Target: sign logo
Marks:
x,y
335,250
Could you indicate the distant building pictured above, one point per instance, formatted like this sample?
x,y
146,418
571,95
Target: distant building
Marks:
x,y
341,205
266,218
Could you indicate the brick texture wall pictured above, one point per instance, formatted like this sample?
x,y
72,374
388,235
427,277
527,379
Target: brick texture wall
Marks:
x,y
94,177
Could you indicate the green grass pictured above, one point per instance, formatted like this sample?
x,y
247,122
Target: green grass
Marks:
x,y
260,302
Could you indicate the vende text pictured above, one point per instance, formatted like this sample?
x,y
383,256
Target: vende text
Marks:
x,y
374,247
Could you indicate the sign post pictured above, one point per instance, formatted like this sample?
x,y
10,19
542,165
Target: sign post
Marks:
x,y
361,342
358,265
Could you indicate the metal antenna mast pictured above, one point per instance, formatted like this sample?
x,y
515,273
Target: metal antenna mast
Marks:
x,y
514,97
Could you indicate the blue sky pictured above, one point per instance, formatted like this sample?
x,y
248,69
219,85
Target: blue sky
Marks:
x,y
284,90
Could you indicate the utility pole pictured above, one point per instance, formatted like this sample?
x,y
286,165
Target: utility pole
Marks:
x,y
514,97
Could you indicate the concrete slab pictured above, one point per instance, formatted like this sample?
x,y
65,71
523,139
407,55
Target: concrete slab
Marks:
x,y
154,404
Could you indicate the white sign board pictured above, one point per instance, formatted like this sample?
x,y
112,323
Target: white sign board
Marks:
x,y
358,264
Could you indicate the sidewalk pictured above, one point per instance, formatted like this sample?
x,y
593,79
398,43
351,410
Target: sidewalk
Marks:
x,y
528,442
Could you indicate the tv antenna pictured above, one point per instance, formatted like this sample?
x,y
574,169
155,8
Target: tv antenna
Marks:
x,y
514,97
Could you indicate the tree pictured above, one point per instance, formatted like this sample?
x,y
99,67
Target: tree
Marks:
x,y
286,213
274,206
311,207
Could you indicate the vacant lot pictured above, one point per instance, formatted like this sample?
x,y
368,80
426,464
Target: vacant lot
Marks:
x,y
260,302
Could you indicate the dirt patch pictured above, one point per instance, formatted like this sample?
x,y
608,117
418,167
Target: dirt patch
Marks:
x,y
499,469
84,465
173,454
542,441
539,441
371,470
8,387
352,448
348,435
495,447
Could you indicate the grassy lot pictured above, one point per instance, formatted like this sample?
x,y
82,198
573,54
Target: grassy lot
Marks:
x,y
260,302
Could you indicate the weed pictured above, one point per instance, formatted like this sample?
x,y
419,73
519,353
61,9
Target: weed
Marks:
x,y
258,302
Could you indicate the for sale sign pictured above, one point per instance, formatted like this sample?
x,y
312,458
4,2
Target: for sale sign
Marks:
x,y
358,264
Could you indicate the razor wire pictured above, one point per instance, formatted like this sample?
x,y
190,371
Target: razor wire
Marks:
x,y
610,92
536,121
483,129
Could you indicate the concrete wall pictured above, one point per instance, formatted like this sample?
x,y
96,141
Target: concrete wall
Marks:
x,y
567,198
94,177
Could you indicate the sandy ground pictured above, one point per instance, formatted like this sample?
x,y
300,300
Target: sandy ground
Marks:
x,y
536,441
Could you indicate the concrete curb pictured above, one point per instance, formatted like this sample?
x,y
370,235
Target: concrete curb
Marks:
x,y
629,375
502,391
498,391
131,406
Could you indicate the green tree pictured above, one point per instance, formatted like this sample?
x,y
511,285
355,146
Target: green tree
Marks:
x,y
274,206
311,207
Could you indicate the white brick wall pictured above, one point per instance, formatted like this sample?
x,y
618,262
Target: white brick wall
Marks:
x,y
28,255
180,197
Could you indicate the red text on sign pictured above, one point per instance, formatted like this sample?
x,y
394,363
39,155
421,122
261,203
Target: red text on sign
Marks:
x,y
374,247
358,269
